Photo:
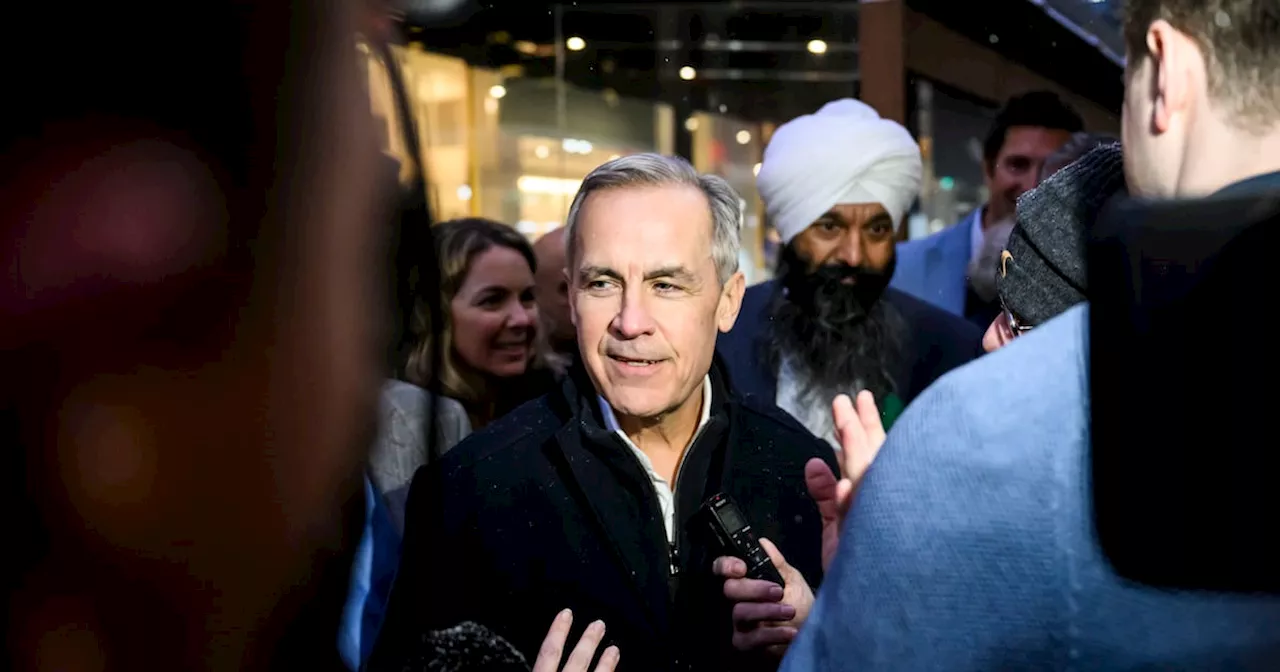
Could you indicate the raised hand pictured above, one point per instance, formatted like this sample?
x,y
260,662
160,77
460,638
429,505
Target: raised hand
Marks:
x,y
579,661
861,434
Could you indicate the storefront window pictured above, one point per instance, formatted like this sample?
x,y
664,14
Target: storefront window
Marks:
x,y
516,106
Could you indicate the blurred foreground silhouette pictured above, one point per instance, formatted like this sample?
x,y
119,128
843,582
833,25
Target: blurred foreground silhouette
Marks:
x,y
191,335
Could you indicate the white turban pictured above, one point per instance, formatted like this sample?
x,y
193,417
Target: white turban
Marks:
x,y
844,153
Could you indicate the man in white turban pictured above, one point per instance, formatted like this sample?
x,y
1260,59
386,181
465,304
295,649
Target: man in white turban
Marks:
x,y
837,185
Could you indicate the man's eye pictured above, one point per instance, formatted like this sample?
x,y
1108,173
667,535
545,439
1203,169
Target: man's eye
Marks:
x,y
597,285
665,287
829,225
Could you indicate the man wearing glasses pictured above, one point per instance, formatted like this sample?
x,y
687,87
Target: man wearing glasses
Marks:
x,y
1026,132
1042,268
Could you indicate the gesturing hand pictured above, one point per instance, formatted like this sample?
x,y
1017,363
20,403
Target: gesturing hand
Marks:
x,y
860,434
765,615
553,648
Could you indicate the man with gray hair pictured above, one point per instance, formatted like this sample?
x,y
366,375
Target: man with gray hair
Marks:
x,y
587,498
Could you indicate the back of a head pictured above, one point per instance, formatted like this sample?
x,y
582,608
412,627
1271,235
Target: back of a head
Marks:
x,y
1042,109
1043,272
1240,40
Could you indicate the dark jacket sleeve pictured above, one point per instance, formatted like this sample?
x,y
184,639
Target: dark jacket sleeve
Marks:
x,y
433,588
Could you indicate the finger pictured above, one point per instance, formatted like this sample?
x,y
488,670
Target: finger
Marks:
x,y
609,661
842,415
580,659
749,615
729,567
821,484
763,637
869,416
752,590
844,497
553,644
852,438
775,555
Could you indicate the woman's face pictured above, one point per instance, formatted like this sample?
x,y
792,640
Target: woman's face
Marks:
x,y
494,316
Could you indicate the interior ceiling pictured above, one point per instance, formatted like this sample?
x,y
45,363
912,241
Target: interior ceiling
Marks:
x,y
752,57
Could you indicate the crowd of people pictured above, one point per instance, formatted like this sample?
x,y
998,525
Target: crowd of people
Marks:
x,y
903,426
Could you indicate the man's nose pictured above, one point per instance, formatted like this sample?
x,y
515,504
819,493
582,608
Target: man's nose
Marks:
x,y
850,249
633,319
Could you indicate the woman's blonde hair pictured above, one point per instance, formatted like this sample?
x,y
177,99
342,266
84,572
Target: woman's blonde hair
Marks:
x,y
457,243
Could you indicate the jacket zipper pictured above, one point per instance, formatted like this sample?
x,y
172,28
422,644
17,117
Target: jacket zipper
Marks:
x,y
674,555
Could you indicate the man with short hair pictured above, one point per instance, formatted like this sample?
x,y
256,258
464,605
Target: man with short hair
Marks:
x,y
585,498
551,292
836,185
1027,130
972,544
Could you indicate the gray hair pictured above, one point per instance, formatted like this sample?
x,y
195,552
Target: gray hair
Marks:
x,y
653,170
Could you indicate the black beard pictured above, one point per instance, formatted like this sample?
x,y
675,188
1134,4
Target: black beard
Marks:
x,y
839,338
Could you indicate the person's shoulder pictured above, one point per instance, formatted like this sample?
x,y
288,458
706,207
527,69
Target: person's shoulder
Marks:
x,y
926,318
411,399
511,438
757,297
972,489
1037,371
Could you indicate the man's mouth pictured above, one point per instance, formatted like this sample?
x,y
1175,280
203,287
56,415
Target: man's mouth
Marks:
x,y
632,361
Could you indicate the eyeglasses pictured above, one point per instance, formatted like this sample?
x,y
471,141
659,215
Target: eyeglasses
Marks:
x,y
1015,325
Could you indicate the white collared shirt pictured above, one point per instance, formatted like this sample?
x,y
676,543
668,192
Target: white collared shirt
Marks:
x,y
666,496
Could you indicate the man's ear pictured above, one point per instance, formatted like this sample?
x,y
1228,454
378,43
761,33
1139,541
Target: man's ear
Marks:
x,y
1178,71
730,302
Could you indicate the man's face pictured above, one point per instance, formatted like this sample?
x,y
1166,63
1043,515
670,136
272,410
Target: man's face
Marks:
x,y
853,245
645,296
551,288
1017,167
858,235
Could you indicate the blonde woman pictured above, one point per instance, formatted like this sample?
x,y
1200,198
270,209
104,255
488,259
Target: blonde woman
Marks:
x,y
494,357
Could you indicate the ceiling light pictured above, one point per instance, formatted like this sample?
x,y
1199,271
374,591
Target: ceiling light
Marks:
x,y
691,124
575,43
541,152
687,73
817,47
497,91
744,137
755,170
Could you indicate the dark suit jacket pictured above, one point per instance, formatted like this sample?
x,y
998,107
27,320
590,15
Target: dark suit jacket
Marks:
x,y
546,509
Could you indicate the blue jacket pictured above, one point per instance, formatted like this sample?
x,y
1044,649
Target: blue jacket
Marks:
x,y
938,342
372,572
971,547
935,269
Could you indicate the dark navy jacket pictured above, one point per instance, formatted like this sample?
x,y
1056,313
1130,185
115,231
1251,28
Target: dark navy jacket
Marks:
x,y
936,343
